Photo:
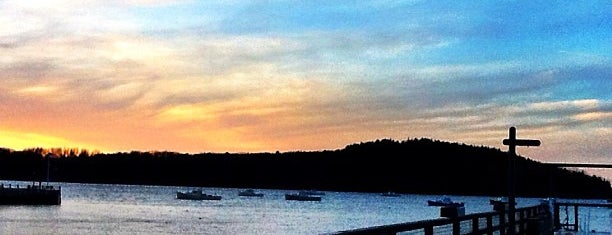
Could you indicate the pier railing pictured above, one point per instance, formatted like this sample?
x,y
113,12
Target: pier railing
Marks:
x,y
30,195
528,220
567,225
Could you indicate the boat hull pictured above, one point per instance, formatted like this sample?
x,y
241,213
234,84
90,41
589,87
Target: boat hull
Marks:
x,y
251,195
445,204
190,196
297,197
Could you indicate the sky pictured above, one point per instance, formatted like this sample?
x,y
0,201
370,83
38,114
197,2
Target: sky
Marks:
x,y
264,76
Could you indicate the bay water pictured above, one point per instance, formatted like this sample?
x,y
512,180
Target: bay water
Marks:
x,y
139,209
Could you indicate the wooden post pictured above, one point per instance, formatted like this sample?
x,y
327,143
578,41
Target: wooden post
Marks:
x,y
557,222
489,224
475,228
523,222
429,230
502,223
512,142
456,227
575,217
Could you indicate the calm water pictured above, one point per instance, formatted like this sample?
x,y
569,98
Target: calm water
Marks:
x,y
134,209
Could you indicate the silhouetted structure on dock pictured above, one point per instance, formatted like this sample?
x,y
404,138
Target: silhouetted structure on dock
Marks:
x,y
567,225
512,143
30,195
34,194
543,219
535,220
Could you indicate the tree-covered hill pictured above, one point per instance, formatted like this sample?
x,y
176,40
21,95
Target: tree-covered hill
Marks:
x,y
421,166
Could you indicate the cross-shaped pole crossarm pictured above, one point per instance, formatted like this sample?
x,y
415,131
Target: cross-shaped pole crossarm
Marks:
x,y
521,142
512,142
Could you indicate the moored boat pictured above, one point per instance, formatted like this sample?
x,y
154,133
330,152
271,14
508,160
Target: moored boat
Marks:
x,y
444,202
302,197
196,194
250,193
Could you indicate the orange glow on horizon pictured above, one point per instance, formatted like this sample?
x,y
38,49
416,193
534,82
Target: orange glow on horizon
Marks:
x,y
20,141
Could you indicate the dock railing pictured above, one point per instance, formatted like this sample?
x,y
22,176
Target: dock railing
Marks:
x,y
528,220
567,225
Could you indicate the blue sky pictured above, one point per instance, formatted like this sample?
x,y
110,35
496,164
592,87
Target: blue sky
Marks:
x,y
306,75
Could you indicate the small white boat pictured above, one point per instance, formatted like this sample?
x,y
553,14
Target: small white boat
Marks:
x,y
444,201
250,193
196,194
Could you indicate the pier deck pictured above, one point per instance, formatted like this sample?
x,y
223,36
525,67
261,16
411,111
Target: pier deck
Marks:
x,y
529,221
30,195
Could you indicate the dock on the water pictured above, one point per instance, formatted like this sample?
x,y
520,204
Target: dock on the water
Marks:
x,y
573,228
30,194
543,219
529,220
535,220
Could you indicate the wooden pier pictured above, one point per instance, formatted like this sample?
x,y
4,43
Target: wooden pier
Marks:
x,y
566,225
528,220
30,195
535,220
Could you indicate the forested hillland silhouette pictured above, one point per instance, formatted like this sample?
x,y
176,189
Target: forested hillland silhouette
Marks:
x,y
420,166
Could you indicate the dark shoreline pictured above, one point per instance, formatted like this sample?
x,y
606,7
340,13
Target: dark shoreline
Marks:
x,y
416,166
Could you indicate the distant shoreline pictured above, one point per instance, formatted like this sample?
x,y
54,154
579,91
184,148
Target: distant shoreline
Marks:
x,y
416,166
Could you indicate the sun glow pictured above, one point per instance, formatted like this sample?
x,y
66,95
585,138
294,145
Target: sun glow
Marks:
x,y
24,140
38,90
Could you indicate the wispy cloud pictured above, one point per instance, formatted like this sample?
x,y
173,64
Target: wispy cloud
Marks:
x,y
262,76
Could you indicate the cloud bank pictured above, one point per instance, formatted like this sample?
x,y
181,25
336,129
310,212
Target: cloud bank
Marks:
x,y
240,76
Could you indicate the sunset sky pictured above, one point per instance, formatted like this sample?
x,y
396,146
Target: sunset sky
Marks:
x,y
262,76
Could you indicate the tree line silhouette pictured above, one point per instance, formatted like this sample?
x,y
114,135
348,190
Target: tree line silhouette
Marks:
x,y
420,166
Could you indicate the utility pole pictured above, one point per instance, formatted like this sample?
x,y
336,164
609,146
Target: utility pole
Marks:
x,y
512,142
